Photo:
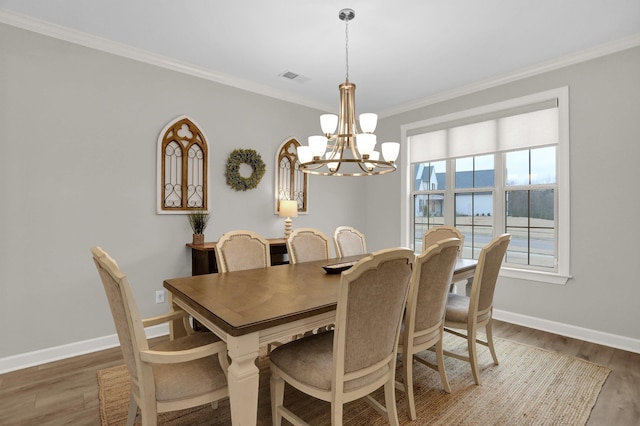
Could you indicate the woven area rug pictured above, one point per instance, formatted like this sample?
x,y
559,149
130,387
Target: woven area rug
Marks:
x,y
531,386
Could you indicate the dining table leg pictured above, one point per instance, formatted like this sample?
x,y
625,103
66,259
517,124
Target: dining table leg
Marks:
x,y
243,378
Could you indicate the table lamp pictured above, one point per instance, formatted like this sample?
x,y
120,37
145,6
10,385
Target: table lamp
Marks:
x,y
288,209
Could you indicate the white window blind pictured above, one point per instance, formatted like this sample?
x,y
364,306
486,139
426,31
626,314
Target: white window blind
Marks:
x,y
505,131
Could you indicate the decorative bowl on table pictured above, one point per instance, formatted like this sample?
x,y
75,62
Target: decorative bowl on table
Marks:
x,y
336,268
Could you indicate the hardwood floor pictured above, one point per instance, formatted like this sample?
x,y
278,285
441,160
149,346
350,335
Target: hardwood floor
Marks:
x,y
66,392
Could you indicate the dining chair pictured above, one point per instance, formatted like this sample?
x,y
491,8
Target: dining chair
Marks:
x,y
349,241
433,235
242,249
423,325
307,244
359,355
439,233
173,375
474,311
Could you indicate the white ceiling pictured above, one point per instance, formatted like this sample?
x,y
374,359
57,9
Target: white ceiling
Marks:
x,y
400,52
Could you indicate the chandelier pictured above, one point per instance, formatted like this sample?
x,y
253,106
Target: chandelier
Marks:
x,y
342,150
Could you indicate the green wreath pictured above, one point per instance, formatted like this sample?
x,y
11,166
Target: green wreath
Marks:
x,y
244,156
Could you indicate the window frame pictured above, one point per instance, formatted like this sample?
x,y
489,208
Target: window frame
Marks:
x,y
562,273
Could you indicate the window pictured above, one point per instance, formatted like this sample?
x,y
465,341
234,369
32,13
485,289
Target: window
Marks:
x,y
182,168
496,169
473,201
428,199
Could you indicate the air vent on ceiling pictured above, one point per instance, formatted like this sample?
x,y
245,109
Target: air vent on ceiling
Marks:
x,y
293,76
290,75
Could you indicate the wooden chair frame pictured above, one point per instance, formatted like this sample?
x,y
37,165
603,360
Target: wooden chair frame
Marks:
x,y
140,359
342,232
432,273
480,303
440,233
229,239
297,245
337,395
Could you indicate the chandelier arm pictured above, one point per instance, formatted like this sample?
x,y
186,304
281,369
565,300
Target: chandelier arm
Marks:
x,y
355,153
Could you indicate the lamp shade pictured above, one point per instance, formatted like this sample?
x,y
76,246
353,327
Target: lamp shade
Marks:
x,y
333,165
375,155
288,208
318,145
368,122
366,143
328,123
390,151
304,154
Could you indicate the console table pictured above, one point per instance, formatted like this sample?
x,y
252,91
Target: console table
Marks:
x,y
203,256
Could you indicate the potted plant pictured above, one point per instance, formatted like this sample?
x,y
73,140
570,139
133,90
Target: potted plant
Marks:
x,y
198,220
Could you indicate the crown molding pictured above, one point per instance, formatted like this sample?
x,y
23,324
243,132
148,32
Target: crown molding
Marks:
x,y
554,64
94,42
98,43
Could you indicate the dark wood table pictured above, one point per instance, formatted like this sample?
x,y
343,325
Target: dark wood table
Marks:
x,y
251,308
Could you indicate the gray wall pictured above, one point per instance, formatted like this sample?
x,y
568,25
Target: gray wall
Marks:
x,y
78,135
604,293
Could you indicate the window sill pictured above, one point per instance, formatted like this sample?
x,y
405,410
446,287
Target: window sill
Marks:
x,y
545,277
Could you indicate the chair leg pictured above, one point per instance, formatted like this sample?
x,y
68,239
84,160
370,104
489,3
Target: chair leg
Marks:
x,y
473,355
277,397
133,410
441,368
489,330
407,368
390,401
149,417
336,412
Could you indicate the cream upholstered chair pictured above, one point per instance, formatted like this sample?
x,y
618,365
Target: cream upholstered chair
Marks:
x,y
349,241
240,250
359,356
470,313
423,326
174,375
440,233
307,244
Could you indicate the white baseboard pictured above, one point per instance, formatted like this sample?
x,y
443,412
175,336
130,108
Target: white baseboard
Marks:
x,y
43,356
588,335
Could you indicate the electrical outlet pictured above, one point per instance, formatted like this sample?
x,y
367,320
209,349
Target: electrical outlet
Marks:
x,y
160,296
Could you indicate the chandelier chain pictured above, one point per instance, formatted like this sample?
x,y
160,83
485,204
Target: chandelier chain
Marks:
x,y
346,46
